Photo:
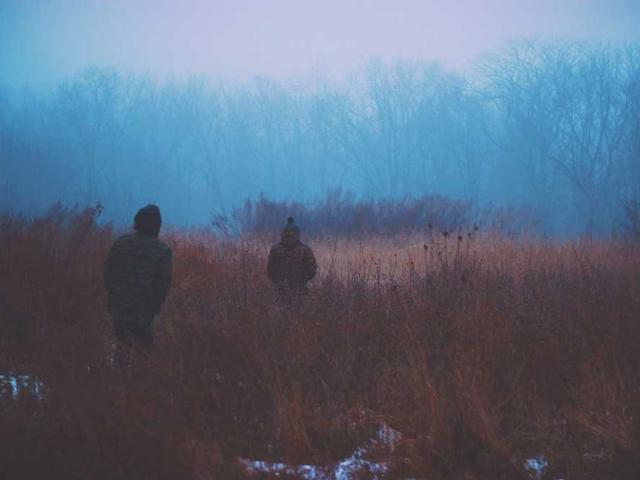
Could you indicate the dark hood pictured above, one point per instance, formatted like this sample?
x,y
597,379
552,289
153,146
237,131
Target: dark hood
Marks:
x,y
148,220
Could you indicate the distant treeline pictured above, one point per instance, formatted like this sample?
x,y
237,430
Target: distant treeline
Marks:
x,y
547,127
341,214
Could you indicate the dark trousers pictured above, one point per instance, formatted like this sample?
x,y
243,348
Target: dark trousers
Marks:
x,y
290,294
132,337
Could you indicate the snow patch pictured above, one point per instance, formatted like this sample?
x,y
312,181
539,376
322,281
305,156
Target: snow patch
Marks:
x,y
14,386
350,468
536,466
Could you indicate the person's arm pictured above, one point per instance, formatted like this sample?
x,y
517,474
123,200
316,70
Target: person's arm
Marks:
x,y
273,268
163,280
109,267
310,264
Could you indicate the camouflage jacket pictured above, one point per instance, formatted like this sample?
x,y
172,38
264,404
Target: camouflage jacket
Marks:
x,y
137,275
291,266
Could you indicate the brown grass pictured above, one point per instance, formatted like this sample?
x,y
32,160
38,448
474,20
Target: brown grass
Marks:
x,y
482,352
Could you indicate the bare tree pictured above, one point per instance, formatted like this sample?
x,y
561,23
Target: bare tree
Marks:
x,y
529,85
594,125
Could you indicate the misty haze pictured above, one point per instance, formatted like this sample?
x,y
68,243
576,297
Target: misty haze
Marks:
x,y
324,240
545,123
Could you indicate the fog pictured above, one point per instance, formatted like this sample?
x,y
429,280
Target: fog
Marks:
x,y
46,40
197,106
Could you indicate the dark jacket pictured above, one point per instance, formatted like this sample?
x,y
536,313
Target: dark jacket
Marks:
x,y
291,263
137,275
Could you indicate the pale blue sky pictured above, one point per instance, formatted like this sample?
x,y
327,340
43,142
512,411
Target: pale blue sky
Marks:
x,y
47,39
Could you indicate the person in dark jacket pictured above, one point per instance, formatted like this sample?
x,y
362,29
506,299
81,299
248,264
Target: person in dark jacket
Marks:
x,y
291,264
137,276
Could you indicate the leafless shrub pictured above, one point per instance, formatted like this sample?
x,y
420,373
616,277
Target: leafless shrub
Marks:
x,y
341,214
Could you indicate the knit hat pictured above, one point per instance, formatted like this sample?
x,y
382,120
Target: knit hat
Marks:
x,y
148,220
291,227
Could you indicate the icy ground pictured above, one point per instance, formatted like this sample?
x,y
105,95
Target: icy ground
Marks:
x,y
352,467
15,385
357,466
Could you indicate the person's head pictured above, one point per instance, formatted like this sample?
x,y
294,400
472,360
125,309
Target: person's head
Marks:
x,y
148,220
290,233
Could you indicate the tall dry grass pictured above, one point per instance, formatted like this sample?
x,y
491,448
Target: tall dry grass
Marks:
x,y
481,351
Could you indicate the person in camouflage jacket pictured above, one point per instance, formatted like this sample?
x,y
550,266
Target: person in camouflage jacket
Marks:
x,y
137,276
291,264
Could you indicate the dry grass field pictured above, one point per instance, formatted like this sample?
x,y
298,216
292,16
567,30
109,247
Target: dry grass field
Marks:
x,y
482,351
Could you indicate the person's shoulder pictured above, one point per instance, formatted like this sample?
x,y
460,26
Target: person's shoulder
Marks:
x,y
161,246
304,246
277,247
126,239
140,240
